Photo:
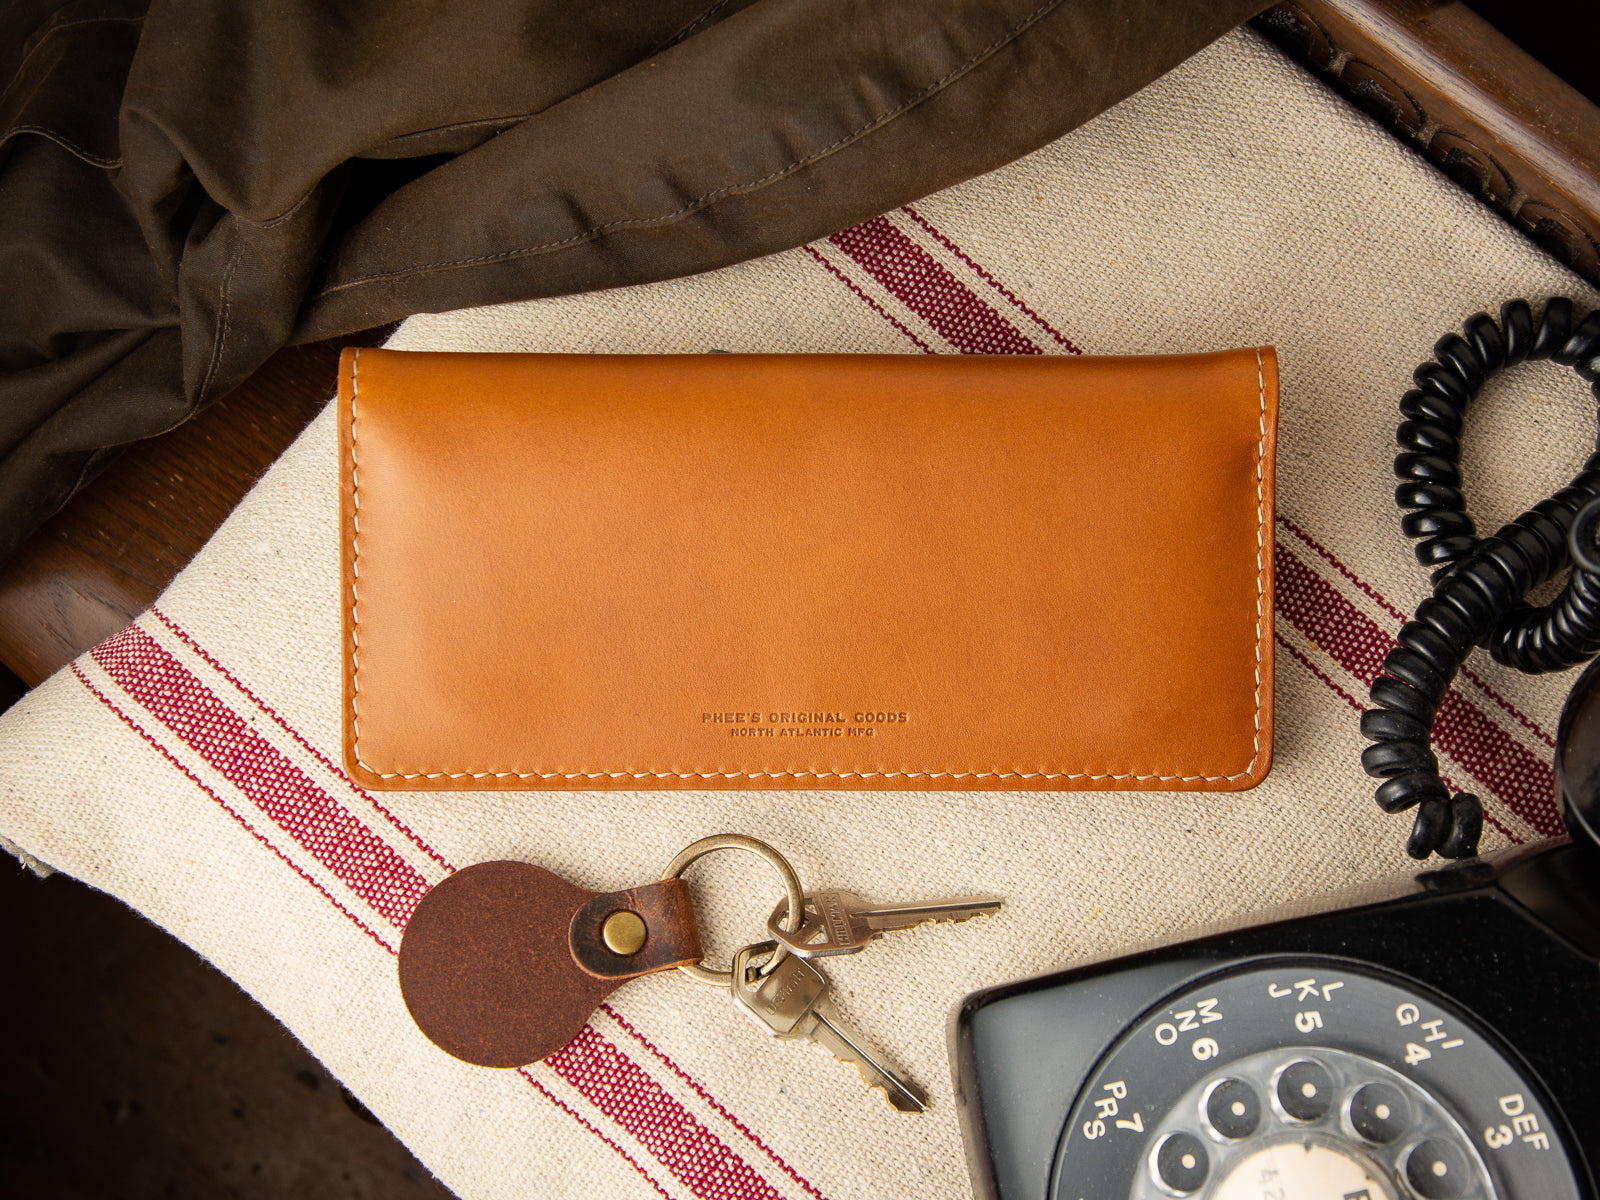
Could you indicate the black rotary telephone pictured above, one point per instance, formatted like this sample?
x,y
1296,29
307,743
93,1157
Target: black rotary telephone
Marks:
x,y
1435,1037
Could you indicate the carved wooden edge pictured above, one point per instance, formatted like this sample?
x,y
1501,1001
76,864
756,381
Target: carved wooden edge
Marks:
x,y
113,548
1480,108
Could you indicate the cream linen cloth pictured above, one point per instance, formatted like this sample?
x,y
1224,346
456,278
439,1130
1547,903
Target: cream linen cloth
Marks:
x,y
190,764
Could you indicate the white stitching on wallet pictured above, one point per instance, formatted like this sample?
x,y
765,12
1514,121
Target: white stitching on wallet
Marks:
x,y
1132,777
355,571
1261,569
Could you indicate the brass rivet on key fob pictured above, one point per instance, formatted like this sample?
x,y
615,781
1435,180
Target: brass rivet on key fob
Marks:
x,y
624,933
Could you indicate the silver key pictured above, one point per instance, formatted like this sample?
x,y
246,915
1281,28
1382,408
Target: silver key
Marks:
x,y
792,1002
838,922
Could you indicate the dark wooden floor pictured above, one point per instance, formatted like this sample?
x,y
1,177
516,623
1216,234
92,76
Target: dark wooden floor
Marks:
x,y
134,1069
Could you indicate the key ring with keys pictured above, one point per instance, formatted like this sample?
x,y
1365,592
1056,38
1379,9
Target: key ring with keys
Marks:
x,y
502,963
791,885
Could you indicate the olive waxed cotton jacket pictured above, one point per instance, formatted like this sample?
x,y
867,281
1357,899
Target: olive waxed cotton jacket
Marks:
x,y
187,185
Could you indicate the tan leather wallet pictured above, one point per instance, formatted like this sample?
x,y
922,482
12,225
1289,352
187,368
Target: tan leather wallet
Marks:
x,y
786,571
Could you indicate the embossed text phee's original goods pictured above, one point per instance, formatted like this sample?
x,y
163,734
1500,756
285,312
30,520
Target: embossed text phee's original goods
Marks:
x,y
779,723
807,571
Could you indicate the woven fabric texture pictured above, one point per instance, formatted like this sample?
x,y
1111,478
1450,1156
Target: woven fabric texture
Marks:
x,y
189,765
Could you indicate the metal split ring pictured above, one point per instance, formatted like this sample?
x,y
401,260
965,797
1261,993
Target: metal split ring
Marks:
x,y
791,886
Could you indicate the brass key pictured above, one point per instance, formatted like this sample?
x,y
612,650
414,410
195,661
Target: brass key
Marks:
x,y
792,1002
839,922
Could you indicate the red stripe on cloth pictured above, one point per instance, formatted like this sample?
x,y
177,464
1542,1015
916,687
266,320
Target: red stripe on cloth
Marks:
x,y
1527,784
866,299
223,804
322,758
328,896
927,288
341,842
621,1089
710,1100
1523,782
314,819
987,277
571,1112
1322,675
1317,609
1328,557
1359,707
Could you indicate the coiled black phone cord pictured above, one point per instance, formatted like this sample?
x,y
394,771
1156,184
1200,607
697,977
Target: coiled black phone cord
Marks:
x,y
1479,583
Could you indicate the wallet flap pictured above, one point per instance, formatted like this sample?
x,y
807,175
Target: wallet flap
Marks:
x,y
807,571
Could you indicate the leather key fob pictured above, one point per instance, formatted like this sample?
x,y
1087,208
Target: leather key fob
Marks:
x,y
503,962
